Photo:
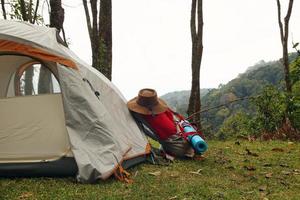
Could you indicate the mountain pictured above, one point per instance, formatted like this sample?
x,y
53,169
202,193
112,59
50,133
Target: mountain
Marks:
x,y
248,84
179,100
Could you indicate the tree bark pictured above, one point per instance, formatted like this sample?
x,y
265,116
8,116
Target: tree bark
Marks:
x,y
35,11
197,51
284,34
45,81
100,35
28,81
3,9
57,15
105,32
23,10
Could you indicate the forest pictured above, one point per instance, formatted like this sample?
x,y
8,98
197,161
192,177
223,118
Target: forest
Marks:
x,y
249,105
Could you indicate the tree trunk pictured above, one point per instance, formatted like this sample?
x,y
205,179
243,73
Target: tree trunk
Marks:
x,y
3,9
23,10
28,81
57,15
105,32
197,50
284,34
45,81
100,37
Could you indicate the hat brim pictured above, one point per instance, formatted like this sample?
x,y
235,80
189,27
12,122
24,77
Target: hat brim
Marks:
x,y
159,108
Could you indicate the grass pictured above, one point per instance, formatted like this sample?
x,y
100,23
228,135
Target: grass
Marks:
x,y
231,170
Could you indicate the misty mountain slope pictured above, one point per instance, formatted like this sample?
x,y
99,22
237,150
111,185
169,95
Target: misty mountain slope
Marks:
x,y
179,100
249,83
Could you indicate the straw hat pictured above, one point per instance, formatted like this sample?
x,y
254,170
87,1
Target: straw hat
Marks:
x,y
147,103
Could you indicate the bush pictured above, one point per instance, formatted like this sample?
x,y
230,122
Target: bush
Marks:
x,y
237,124
271,106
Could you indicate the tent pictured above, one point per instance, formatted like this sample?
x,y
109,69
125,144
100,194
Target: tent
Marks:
x,y
58,115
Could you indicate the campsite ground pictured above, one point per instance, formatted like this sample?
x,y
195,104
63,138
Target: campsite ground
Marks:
x,y
231,170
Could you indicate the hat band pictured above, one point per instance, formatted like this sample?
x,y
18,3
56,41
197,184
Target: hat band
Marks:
x,y
147,102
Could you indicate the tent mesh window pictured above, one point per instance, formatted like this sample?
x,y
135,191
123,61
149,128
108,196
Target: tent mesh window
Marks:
x,y
34,79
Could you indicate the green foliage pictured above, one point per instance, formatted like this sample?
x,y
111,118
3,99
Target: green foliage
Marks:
x,y
294,103
235,125
295,74
250,83
15,12
270,107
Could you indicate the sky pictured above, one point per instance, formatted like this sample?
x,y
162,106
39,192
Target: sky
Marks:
x,y
152,40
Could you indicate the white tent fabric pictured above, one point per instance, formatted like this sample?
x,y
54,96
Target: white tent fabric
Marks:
x,y
29,139
102,132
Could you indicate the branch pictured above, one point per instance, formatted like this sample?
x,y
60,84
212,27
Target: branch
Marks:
x,y
279,21
200,18
23,10
287,19
221,105
3,9
193,21
88,19
94,15
29,12
35,11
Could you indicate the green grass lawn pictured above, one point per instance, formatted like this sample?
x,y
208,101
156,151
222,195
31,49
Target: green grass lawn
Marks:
x,y
231,170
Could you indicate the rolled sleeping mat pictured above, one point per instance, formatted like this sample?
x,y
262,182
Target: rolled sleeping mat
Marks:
x,y
198,144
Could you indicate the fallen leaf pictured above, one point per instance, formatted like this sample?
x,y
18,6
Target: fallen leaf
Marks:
x,y
175,197
157,173
250,168
283,165
198,172
269,175
278,149
230,167
175,174
251,153
296,172
267,165
290,143
284,183
286,172
262,188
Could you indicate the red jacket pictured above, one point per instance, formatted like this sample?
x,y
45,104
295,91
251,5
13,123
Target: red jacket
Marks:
x,y
163,124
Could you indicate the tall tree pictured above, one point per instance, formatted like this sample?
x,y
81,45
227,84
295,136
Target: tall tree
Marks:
x,y
100,33
57,16
284,34
196,25
3,9
27,13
